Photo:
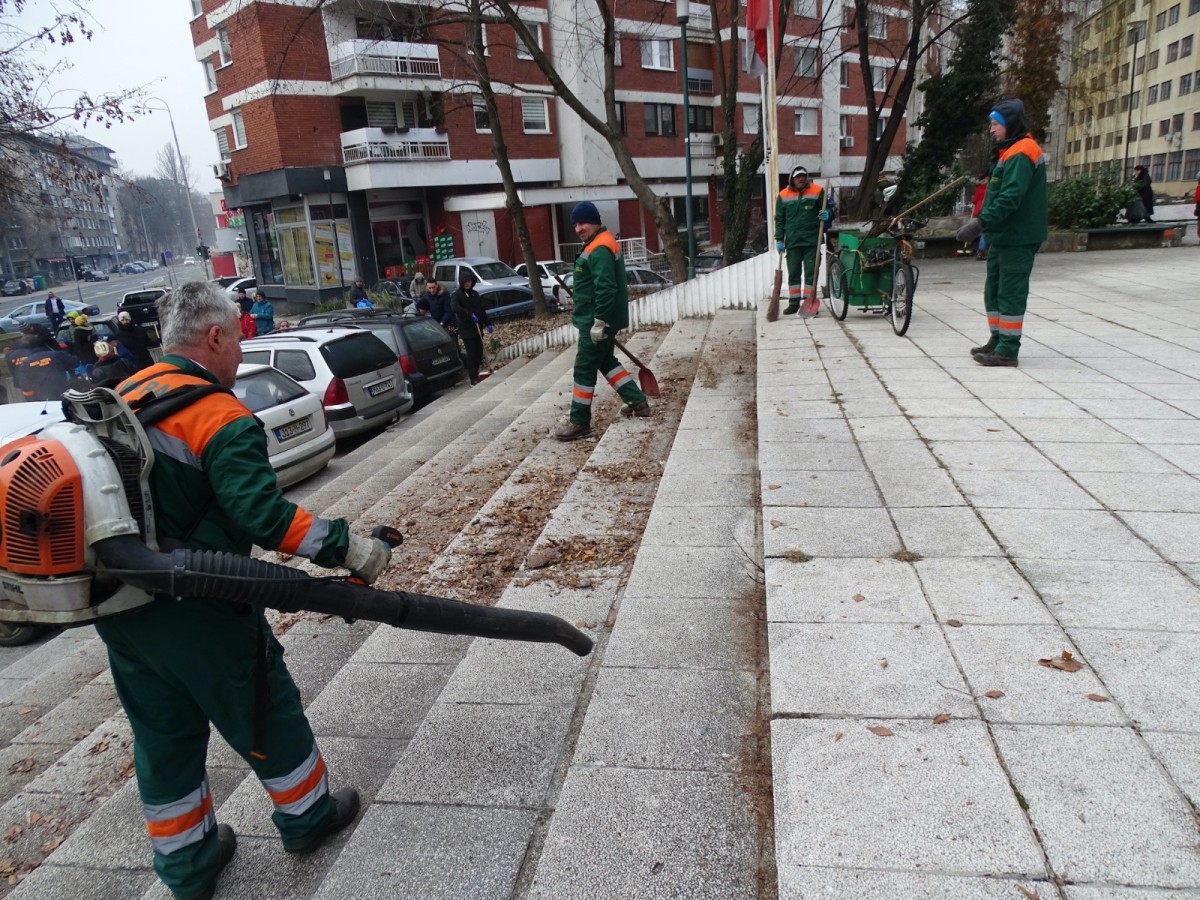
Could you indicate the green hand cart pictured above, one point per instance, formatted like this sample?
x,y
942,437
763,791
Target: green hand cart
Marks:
x,y
874,274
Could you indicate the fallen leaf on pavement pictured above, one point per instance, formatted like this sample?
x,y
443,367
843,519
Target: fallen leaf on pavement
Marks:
x,y
1065,662
995,695
954,623
1099,698
858,598
774,487
775,523
838,736
880,730
1027,893
13,833
941,718
883,663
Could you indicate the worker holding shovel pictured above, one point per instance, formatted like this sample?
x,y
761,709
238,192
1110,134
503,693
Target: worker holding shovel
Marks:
x,y
601,295
800,211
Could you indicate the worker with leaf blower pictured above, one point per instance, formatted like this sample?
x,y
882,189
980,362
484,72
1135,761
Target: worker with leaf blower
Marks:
x,y
800,209
601,309
181,664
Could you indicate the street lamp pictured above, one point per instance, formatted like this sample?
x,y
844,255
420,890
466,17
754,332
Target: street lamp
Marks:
x,y
682,12
187,187
1135,32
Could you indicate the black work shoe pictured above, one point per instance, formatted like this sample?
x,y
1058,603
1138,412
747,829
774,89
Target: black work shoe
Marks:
x,y
995,359
345,810
792,309
641,410
572,432
228,841
986,348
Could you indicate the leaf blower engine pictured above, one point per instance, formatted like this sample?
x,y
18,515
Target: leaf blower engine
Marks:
x,y
77,543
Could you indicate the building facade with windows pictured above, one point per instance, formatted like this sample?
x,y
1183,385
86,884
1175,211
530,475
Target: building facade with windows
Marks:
x,y
1134,93
350,134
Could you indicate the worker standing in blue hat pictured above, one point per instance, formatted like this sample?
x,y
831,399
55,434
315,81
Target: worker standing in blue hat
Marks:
x,y
601,309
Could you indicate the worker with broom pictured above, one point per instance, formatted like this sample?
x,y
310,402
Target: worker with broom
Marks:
x,y
601,298
800,210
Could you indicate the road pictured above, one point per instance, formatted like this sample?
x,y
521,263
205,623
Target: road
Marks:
x,y
107,294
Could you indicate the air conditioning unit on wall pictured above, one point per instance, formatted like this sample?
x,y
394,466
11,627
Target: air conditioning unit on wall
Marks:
x,y
848,140
221,170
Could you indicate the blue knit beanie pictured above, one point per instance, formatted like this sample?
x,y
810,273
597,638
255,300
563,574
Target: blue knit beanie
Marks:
x,y
586,213
996,117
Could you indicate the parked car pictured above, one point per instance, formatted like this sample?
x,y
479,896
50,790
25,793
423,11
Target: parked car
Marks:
x,y
15,287
546,270
487,271
711,260
644,281
92,275
140,304
34,313
104,328
241,282
189,260
427,353
299,440
133,268
356,375
506,301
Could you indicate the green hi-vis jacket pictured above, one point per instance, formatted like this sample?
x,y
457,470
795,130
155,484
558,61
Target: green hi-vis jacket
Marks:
x,y
600,289
212,475
796,215
1014,210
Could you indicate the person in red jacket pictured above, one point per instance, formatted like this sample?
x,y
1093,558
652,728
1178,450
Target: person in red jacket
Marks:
x,y
1196,211
981,184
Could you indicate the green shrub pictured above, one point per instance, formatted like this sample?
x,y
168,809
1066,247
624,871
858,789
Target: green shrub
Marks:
x,y
1086,201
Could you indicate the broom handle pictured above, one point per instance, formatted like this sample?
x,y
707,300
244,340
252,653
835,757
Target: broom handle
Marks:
x,y
955,183
637,362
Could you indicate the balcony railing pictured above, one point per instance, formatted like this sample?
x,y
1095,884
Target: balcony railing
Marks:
x,y
405,145
388,58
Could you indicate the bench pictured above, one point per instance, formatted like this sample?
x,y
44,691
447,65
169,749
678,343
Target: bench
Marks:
x,y
1129,237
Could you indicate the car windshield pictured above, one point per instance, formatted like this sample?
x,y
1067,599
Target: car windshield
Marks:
x,y
559,268
493,270
262,390
357,354
424,335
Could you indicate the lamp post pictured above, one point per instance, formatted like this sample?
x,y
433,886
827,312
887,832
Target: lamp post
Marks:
x,y
1135,31
187,187
682,12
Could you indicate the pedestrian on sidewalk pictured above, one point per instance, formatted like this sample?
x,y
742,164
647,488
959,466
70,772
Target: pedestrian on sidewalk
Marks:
x,y
799,212
1013,219
1145,189
471,315
264,314
1196,211
180,664
601,296
56,311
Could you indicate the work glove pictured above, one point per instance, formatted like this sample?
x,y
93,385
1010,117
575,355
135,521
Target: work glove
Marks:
x,y
823,215
491,328
597,332
475,318
366,557
779,246
970,232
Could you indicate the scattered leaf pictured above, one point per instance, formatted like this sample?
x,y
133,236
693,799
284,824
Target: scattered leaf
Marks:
x,y
775,523
858,598
954,623
1098,698
657,867
1026,892
98,747
880,730
24,712
51,845
941,718
774,487
1064,662
995,695
993,429
837,737
13,834
883,663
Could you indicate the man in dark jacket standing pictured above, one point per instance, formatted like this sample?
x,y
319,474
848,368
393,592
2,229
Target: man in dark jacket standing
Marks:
x,y
601,292
1145,191
1013,220
56,311
799,211
131,336
181,664
470,313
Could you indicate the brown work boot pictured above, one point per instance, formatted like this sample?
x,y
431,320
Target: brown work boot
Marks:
x,y
345,811
572,432
641,410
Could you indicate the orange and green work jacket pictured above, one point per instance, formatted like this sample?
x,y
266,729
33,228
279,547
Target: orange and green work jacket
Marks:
x,y
796,215
210,460
601,289
1014,209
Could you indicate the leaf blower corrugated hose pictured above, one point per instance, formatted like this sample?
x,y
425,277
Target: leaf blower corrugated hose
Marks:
x,y
226,576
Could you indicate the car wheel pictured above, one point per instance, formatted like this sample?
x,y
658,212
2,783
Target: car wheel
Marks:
x,y
14,635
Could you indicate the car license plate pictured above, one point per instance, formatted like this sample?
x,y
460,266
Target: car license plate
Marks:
x,y
440,360
292,429
382,387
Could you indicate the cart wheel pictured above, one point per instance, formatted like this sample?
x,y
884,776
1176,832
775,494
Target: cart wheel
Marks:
x,y
839,291
903,286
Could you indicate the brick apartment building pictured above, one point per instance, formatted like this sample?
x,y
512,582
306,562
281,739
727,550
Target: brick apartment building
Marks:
x,y
351,131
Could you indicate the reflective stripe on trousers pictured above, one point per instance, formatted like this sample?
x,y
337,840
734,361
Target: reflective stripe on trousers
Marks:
x,y
182,822
297,791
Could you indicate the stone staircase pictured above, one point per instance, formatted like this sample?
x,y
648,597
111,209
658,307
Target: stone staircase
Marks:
x,y
487,768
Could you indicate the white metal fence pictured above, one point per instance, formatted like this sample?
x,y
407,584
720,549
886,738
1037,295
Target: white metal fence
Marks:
x,y
740,286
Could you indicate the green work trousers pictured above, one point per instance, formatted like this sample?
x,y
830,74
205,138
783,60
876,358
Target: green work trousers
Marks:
x,y
179,665
802,272
592,358
1006,293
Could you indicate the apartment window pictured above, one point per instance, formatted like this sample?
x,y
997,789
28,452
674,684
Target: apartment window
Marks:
x,y
1173,15
806,8
1124,72
1164,127
1172,51
1152,94
1124,104
1196,121
880,124
482,40
1158,167
1140,66
877,23
1152,62
1185,47
845,73
523,50
617,59
1135,99
1177,122
223,46
806,62
1194,7
1146,132
700,120
1164,91
1185,84
1191,161
660,119
657,54
481,117
210,76
806,120
382,114
879,79
1160,21
534,118
844,126
1133,133
750,118
619,105
222,142
239,130
196,8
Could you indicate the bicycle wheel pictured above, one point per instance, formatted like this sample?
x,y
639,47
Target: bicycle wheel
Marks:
x,y
839,291
900,307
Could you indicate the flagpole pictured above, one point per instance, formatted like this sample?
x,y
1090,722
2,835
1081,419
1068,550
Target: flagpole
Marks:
x,y
771,138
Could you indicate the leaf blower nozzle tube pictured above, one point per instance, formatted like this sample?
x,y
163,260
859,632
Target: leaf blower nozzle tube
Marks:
x,y
227,576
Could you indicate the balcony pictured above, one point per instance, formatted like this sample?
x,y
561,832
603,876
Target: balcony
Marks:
x,y
397,59
394,145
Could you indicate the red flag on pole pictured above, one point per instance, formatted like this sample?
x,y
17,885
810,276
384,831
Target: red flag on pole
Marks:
x,y
757,24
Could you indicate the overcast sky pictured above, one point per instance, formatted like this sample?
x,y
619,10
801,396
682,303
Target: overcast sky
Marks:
x,y
141,45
